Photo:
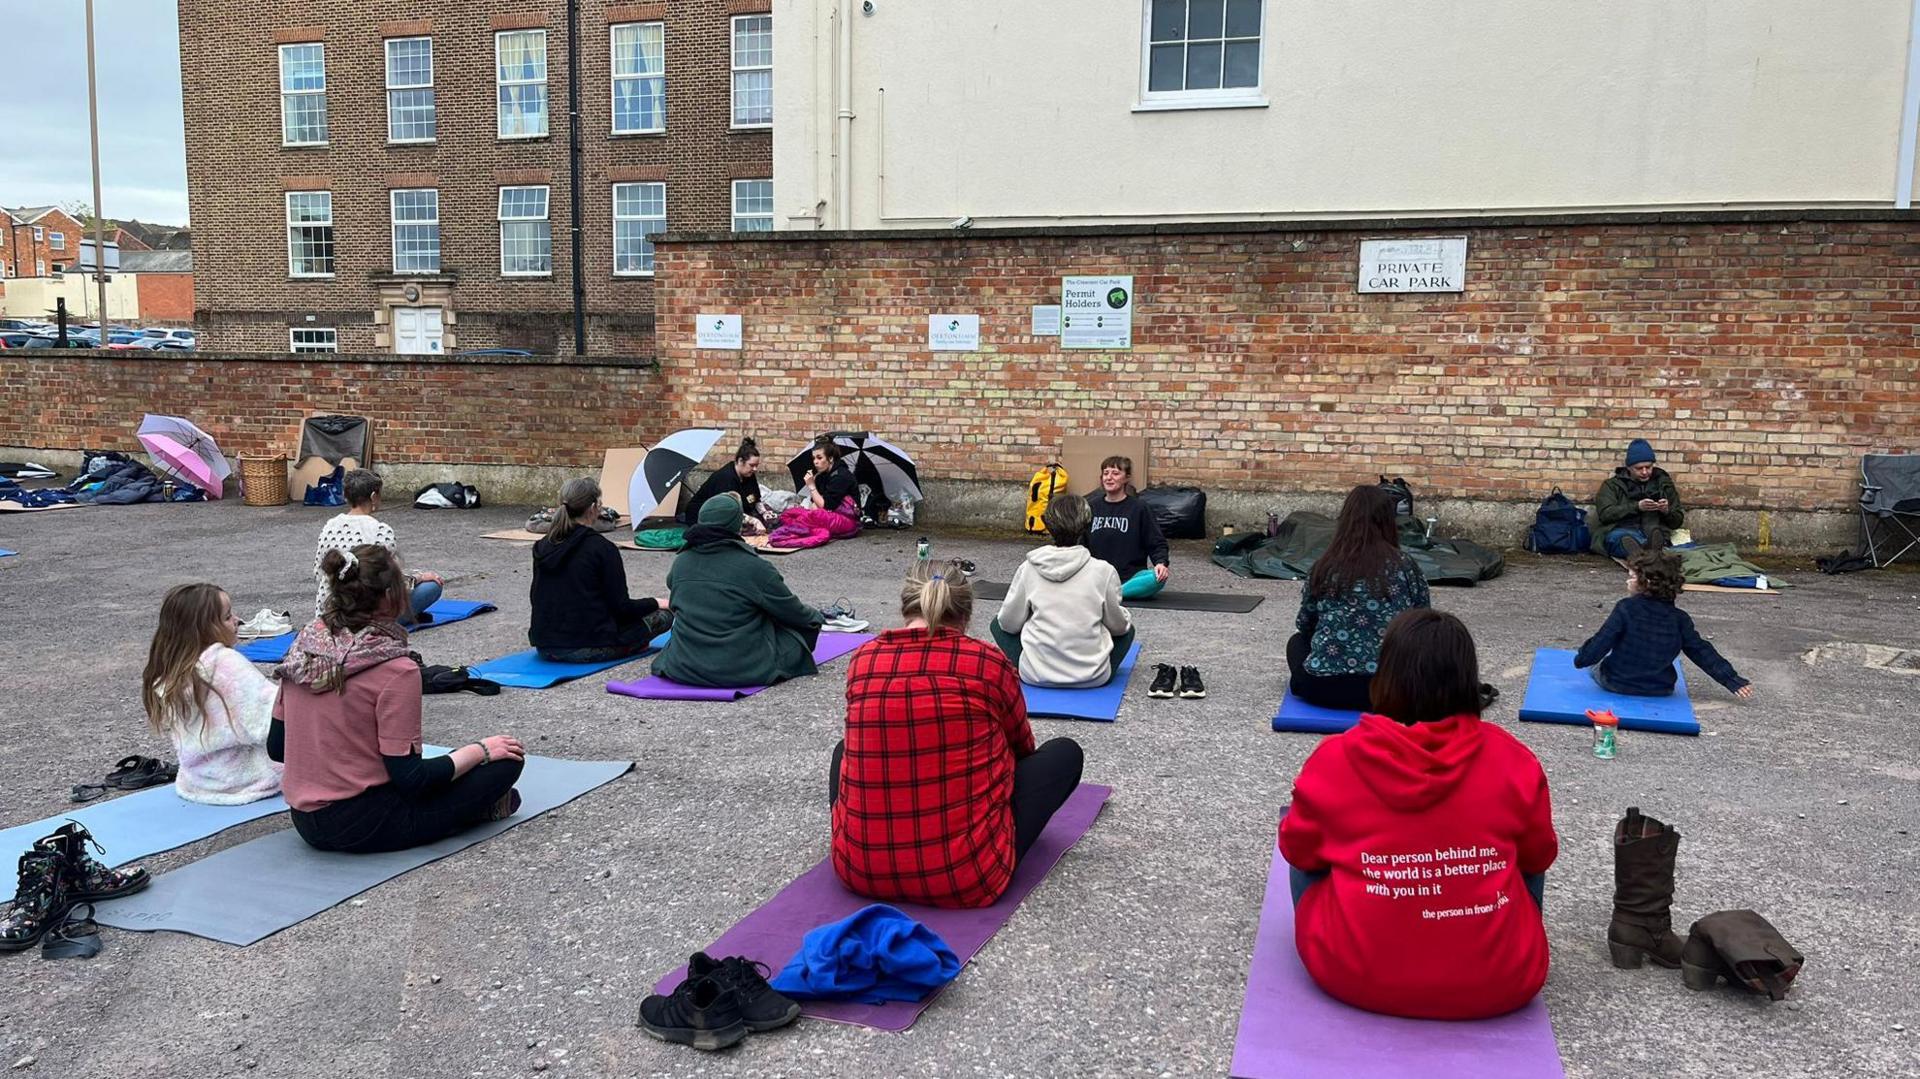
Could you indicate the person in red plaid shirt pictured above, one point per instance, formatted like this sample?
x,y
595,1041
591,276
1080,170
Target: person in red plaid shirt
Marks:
x,y
938,789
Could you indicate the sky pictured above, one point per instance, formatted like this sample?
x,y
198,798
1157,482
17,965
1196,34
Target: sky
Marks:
x,y
43,119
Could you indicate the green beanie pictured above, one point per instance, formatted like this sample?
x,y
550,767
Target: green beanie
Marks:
x,y
722,511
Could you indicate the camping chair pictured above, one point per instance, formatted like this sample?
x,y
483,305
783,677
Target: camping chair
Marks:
x,y
1889,506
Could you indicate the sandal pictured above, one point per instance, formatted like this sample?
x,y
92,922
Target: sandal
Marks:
x,y
131,774
78,937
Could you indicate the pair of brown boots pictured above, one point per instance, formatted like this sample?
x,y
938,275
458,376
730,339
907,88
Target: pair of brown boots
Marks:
x,y
1737,945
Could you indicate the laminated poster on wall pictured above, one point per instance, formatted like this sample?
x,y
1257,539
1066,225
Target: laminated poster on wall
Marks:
x,y
953,333
1096,312
717,330
1046,320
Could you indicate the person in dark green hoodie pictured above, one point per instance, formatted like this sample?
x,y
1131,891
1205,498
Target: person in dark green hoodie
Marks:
x,y
736,623
1638,504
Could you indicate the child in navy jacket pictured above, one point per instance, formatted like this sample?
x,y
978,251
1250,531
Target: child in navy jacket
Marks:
x,y
1634,650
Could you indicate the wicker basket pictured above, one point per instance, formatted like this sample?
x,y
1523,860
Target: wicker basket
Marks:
x,y
263,480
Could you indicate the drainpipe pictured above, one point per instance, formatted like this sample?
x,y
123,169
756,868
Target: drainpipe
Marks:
x,y
573,170
1909,115
843,117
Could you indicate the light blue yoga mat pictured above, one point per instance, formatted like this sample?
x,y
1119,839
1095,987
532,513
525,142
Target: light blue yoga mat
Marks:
x,y
141,824
526,670
1557,692
1297,715
1100,704
249,892
444,611
4,553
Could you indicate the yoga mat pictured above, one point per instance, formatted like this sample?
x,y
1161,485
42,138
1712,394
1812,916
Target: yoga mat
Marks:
x,y
1288,1027
1297,715
526,670
250,892
1213,602
444,611
4,553
1558,693
1100,704
831,646
141,824
16,507
772,933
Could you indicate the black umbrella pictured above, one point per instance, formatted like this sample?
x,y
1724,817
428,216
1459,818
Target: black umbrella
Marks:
x,y
879,464
665,465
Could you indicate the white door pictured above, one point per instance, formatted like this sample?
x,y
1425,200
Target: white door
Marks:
x,y
417,331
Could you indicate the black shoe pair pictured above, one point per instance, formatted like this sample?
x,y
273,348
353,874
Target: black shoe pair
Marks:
x,y
719,1004
1190,685
56,874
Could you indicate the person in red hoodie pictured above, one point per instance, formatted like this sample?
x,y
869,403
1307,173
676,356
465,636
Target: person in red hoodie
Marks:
x,y
1419,840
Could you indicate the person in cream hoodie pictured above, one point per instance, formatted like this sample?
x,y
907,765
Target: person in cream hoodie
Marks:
x,y
1062,623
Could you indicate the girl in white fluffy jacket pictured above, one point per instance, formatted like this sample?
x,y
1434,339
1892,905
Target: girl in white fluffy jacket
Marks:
x,y
210,700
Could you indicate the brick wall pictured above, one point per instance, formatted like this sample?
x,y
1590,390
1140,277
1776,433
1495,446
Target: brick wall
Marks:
x,y
425,411
1761,353
165,298
23,254
238,172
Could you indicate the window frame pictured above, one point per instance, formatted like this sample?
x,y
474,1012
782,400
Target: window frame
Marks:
x,y
734,71
736,215
614,79
57,241
326,130
294,344
394,223
386,52
39,267
503,220
39,234
334,257
616,218
1238,97
499,84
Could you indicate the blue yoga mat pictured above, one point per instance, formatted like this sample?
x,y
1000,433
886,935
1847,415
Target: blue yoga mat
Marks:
x,y
1100,704
274,649
1297,715
141,824
6,553
1559,693
526,670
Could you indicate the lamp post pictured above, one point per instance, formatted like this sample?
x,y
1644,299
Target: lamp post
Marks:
x,y
99,222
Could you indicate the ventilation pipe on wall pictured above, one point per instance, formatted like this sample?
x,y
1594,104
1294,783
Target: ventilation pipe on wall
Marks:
x,y
843,115
1909,115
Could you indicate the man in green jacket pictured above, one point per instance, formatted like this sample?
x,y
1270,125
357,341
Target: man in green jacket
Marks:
x,y
1638,506
736,622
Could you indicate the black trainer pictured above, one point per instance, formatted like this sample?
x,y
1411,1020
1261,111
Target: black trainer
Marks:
x,y
42,901
761,1005
1190,685
1163,678
1488,695
701,1013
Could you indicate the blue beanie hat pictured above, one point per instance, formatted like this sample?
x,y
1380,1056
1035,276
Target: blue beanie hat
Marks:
x,y
1639,450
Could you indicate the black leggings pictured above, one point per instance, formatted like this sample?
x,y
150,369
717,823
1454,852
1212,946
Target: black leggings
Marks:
x,y
1042,782
1347,692
384,819
631,639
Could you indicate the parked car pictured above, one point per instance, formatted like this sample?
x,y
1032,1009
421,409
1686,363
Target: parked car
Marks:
x,y
53,341
26,324
14,338
171,338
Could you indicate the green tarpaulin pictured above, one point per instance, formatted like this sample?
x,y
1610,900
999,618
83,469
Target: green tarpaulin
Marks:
x,y
1303,537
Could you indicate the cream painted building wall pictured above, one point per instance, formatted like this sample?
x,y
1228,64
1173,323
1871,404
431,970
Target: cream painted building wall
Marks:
x,y
1032,112
33,297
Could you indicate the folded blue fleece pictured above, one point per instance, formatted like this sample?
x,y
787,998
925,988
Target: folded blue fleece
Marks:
x,y
871,956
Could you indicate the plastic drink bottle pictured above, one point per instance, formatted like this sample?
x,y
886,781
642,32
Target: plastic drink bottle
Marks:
x,y
1605,728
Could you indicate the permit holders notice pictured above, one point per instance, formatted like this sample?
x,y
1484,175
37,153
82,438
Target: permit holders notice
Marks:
x,y
1438,264
1096,312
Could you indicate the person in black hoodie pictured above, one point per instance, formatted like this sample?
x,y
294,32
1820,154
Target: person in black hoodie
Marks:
x,y
581,610
739,477
1124,533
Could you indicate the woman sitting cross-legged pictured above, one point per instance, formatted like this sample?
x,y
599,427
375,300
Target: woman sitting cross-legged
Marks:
x,y
1062,623
829,506
348,727
210,700
937,789
1418,843
581,610
736,623
1354,590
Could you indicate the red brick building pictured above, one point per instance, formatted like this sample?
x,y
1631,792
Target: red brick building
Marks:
x,y
37,241
363,185
164,280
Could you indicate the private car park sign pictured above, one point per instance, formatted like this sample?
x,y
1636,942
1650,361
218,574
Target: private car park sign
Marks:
x,y
1096,312
1436,264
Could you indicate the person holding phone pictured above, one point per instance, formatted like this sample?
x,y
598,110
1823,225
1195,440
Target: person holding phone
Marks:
x,y
1639,506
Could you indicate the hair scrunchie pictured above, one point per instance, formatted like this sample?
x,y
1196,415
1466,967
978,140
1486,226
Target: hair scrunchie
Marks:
x,y
352,560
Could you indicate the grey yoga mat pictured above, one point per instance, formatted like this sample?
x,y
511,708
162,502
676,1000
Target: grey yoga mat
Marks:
x,y
1213,602
251,891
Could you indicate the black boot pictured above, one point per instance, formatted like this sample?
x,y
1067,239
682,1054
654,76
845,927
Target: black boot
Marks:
x,y
87,879
41,902
1642,928
1743,948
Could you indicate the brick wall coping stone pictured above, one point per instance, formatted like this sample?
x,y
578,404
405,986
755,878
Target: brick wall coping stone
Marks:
x,y
176,358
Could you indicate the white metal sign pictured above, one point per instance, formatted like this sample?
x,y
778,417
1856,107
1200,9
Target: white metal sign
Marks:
x,y
953,333
717,331
1436,264
1096,312
1046,320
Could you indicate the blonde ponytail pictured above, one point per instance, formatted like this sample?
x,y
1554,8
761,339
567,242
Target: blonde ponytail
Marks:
x,y
939,593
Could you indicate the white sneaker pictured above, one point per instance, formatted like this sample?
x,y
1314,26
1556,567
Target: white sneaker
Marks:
x,y
844,624
266,623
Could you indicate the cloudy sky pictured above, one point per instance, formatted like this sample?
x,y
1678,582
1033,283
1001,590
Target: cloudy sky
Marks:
x,y
43,131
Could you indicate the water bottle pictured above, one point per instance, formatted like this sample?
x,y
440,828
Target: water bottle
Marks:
x,y
1605,739
926,550
1273,523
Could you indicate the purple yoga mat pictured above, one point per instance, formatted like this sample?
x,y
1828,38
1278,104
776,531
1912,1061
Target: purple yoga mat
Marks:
x,y
829,647
772,933
1289,1027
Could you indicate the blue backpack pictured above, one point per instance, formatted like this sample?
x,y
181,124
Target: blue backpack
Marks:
x,y
1559,527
